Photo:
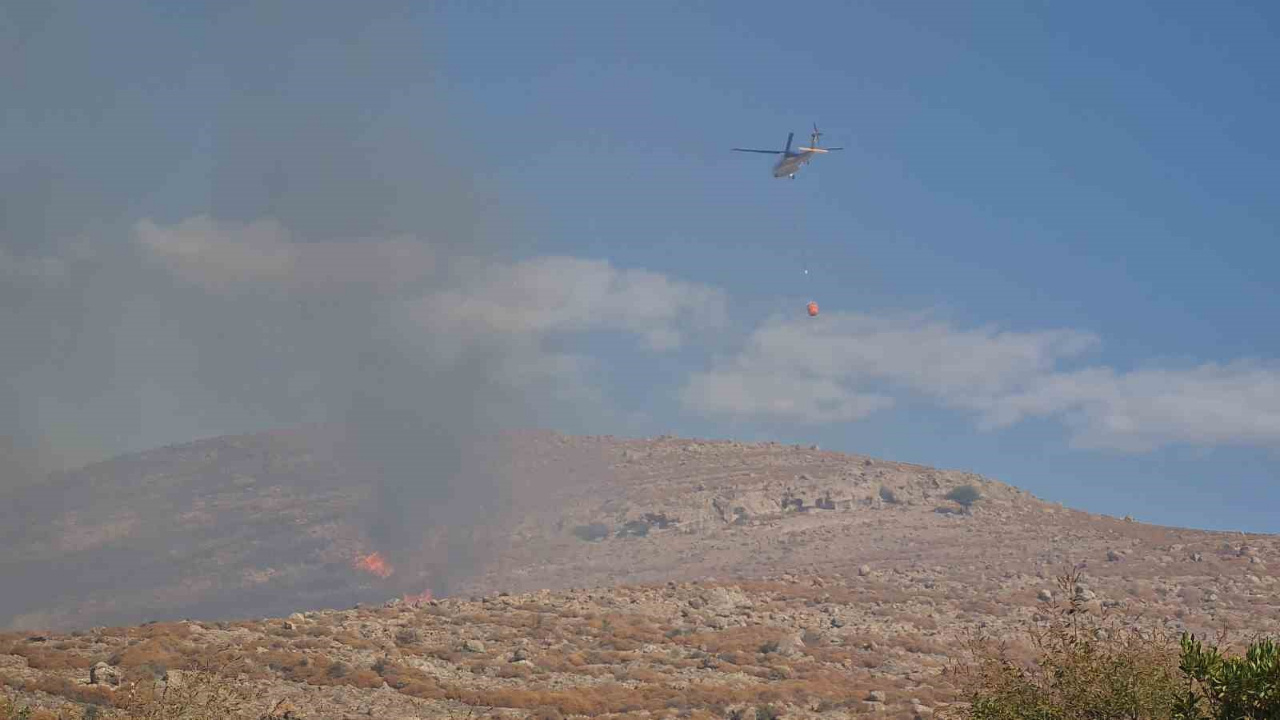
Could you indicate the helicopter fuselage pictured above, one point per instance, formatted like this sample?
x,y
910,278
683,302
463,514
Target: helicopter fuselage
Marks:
x,y
791,163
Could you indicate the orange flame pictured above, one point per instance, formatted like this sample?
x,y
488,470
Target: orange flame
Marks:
x,y
375,564
418,600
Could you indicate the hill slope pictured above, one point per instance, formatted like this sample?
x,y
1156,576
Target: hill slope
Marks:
x,y
269,524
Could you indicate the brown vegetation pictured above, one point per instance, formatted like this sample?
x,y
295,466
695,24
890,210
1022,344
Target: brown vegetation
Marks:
x,y
848,608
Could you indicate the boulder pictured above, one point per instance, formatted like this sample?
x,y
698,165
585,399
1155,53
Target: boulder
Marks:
x,y
791,645
104,674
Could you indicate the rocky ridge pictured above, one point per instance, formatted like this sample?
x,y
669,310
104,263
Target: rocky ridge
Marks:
x,y
663,577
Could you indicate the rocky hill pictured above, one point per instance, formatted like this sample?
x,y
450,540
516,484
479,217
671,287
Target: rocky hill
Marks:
x,y
795,646
274,523
636,575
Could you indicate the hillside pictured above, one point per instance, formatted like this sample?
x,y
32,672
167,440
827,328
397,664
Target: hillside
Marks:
x,y
797,646
589,575
271,524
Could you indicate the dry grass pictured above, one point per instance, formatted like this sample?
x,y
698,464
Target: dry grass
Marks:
x,y
9,710
49,658
806,644
159,653
62,687
748,640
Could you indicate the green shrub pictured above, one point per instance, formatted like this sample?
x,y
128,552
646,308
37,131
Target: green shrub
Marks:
x,y
966,495
1089,667
10,711
594,531
635,528
661,520
1230,687
767,712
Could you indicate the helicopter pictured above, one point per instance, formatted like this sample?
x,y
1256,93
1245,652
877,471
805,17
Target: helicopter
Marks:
x,y
792,160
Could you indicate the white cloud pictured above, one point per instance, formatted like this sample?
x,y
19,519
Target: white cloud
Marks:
x,y
553,295
838,368
222,255
517,311
1233,404
847,367
918,352
530,299
819,371
760,393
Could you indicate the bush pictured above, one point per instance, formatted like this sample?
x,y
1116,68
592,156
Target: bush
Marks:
x,y
965,495
887,495
205,692
161,653
1230,687
594,531
1084,669
65,688
635,528
1087,667
661,520
42,658
408,636
10,711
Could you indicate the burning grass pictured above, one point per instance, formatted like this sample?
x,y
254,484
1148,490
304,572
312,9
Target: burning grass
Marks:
x,y
374,564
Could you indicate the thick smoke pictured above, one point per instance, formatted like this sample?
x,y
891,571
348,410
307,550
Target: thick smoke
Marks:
x,y
284,294
266,221
204,327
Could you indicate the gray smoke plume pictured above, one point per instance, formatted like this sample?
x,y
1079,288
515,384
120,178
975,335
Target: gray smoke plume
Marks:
x,y
286,295
260,222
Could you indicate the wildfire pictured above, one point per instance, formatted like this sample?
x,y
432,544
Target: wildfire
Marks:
x,y
418,600
376,564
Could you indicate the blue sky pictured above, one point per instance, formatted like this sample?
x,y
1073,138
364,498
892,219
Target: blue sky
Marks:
x,y
1104,170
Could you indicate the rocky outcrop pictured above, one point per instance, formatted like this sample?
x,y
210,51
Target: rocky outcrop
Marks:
x,y
103,674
